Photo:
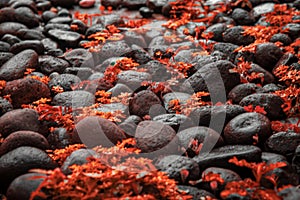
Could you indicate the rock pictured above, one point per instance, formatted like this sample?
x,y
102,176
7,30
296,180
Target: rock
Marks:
x,y
4,47
78,157
281,37
66,81
119,89
267,55
217,30
292,29
60,20
35,45
80,58
213,77
134,4
155,139
19,161
262,9
157,70
143,102
4,57
242,17
82,72
66,39
284,143
20,119
49,64
24,185
248,128
74,99
10,28
15,67
270,102
234,36
176,121
146,12
30,34
23,138
219,157
243,90
190,139
94,131
24,15
290,193
86,3
11,39
7,15
213,116
25,91
59,138
133,79
180,96
174,165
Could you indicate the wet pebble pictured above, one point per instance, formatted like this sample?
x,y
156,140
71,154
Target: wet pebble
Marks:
x,y
180,96
49,64
23,138
10,28
86,3
94,131
66,81
66,39
242,17
281,37
24,185
35,45
5,106
25,91
59,138
20,160
11,39
176,121
140,104
277,143
191,138
174,165
234,36
133,79
270,102
26,16
247,128
65,3
79,58
243,90
156,139
74,99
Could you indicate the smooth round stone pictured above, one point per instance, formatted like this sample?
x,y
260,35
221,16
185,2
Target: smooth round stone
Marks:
x,y
284,143
262,9
66,81
83,72
226,48
48,15
4,57
25,91
281,37
113,107
292,29
15,67
24,185
242,17
110,19
43,5
134,38
29,34
78,157
10,28
74,99
235,35
106,63
49,64
157,70
156,138
81,26
66,39
80,58
11,39
140,104
270,102
62,27
201,135
94,29
176,121
213,116
49,45
118,89
60,20
267,76
217,30
4,46
243,90
7,14
86,3
5,106
243,128
24,15
173,166
219,157
23,138
20,119
35,45
267,55
133,79
207,74
20,160
94,131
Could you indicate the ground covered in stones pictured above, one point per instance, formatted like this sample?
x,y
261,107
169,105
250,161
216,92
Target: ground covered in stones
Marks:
x,y
149,99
